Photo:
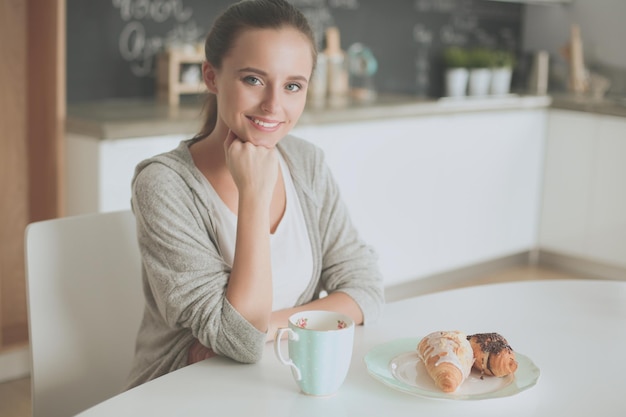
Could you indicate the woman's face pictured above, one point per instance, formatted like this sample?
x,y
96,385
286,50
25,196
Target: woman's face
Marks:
x,y
262,84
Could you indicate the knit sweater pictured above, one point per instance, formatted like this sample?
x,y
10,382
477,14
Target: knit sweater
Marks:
x,y
185,277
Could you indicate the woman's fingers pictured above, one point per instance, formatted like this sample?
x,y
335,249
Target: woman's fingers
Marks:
x,y
253,168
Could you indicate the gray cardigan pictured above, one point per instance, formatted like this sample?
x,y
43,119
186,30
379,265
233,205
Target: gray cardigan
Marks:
x,y
185,277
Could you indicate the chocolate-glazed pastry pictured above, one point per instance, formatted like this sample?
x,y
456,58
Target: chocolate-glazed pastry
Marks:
x,y
493,355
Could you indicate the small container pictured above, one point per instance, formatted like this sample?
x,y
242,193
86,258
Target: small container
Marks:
x,y
318,86
362,66
338,85
538,83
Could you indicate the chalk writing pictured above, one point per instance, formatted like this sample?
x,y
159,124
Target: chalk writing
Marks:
x,y
344,4
319,15
449,35
438,6
309,3
422,35
156,10
139,48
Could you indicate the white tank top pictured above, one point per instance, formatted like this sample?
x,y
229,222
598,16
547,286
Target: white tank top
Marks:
x,y
291,254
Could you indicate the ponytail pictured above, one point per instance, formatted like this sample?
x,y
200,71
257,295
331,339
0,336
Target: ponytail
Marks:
x,y
209,109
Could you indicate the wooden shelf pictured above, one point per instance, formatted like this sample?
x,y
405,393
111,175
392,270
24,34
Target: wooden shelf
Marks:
x,y
197,88
170,66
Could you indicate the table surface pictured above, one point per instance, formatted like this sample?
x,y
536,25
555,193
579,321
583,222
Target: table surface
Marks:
x,y
573,330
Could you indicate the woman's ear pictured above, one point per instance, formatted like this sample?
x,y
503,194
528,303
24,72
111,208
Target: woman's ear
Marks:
x,y
208,75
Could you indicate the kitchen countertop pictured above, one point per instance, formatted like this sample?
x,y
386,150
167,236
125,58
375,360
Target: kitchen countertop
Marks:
x,y
127,118
118,119
607,106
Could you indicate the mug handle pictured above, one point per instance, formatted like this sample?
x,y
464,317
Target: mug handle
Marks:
x,y
293,336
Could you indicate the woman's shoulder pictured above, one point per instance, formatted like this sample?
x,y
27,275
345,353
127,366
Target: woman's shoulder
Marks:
x,y
306,162
177,159
159,170
166,180
297,148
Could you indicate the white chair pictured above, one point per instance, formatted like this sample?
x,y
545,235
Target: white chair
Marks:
x,y
85,303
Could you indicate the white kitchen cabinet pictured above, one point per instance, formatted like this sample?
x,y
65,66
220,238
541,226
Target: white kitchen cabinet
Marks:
x,y
607,213
99,171
567,182
437,193
584,196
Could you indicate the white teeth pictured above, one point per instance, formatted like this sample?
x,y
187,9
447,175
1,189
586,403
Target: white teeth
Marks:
x,y
264,124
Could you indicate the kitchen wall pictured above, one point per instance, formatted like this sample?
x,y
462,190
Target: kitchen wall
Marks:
x,y
111,44
602,29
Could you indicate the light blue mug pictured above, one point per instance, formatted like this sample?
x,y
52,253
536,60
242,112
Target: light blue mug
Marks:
x,y
320,350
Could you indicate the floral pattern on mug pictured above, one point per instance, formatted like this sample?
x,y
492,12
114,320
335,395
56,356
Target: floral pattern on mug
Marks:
x,y
302,322
341,324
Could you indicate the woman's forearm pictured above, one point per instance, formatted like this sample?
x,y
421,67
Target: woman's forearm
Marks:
x,y
250,283
337,301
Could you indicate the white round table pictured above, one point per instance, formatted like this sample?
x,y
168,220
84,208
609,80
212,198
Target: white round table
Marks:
x,y
573,330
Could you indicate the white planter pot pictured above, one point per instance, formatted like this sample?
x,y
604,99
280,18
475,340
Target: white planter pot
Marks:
x,y
500,81
479,81
456,82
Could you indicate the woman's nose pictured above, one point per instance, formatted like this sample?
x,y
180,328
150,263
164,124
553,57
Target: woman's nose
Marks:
x,y
271,100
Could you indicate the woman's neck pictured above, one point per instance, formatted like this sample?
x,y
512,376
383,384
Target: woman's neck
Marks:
x,y
208,155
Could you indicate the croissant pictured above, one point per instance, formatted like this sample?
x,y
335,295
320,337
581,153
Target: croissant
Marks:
x,y
493,355
448,358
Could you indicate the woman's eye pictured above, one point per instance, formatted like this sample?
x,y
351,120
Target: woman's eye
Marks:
x,y
294,87
252,80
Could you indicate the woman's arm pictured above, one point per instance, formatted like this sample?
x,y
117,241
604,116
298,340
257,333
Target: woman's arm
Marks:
x,y
255,172
337,301
186,276
347,267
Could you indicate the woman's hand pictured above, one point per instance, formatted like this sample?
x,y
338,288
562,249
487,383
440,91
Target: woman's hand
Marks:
x,y
253,168
338,302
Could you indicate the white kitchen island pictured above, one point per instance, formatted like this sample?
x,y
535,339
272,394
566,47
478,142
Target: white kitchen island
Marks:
x,y
433,185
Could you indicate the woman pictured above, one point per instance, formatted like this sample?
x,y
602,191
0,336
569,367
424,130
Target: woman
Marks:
x,y
241,226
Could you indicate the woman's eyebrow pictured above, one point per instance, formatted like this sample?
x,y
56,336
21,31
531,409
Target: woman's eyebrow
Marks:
x,y
264,74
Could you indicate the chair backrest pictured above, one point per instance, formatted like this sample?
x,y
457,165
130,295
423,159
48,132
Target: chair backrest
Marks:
x,y
85,303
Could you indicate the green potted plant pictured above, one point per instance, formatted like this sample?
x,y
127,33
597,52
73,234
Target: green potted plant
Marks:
x,y
501,73
480,62
503,59
455,61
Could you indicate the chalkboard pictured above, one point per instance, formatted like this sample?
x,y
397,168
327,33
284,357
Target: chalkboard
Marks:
x,y
111,44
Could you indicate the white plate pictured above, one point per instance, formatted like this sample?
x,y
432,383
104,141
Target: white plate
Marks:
x,y
397,365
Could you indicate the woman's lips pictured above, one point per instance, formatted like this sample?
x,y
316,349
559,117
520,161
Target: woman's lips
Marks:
x,y
264,124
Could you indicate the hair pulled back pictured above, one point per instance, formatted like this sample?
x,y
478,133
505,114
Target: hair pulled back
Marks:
x,y
237,18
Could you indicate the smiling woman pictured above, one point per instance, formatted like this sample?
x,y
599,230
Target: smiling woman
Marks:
x,y
242,225
261,84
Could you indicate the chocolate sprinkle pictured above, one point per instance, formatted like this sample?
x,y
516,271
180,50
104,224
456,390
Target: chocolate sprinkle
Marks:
x,y
492,343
